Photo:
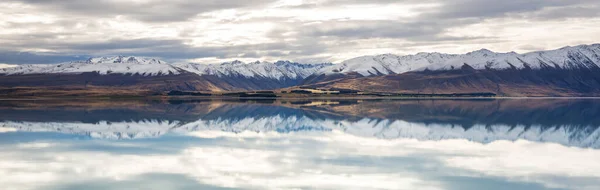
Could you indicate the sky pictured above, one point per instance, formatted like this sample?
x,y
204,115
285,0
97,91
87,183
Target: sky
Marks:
x,y
306,31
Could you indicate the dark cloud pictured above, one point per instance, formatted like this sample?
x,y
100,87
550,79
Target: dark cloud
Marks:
x,y
181,10
358,2
11,57
482,9
153,11
494,8
290,39
558,13
119,45
169,50
425,30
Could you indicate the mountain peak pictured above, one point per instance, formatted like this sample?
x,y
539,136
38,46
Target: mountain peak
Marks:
x,y
482,51
122,59
257,62
234,62
283,62
591,46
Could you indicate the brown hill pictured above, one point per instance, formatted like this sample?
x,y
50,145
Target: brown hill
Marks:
x,y
509,82
185,81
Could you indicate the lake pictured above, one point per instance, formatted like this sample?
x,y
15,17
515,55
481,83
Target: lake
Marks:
x,y
408,144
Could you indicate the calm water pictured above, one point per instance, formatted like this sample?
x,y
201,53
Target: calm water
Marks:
x,y
301,144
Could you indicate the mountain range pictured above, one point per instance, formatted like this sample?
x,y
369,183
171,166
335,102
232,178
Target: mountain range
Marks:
x,y
568,71
140,72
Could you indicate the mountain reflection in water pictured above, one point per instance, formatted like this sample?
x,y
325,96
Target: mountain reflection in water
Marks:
x,y
301,144
564,121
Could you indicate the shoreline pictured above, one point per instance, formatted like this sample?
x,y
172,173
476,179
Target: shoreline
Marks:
x,y
167,98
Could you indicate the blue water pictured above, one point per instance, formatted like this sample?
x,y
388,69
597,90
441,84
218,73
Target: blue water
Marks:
x,y
301,144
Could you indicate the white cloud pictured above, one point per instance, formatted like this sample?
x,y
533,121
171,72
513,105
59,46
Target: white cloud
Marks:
x,y
545,35
317,30
290,161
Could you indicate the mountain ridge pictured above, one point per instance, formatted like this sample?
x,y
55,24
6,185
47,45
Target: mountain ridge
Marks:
x,y
384,62
124,64
569,57
568,71
155,74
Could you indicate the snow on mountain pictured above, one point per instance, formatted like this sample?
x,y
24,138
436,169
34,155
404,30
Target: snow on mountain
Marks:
x,y
583,56
25,69
367,127
277,70
100,130
101,65
2,65
154,67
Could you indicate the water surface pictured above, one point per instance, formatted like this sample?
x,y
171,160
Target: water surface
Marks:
x,y
301,144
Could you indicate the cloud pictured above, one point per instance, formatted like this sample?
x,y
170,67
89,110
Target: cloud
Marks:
x,y
146,10
413,31
332,160
311,30
169,50
12,57
579,11
492,8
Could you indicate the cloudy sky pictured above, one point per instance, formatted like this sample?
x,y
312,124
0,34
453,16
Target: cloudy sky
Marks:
x,y
212,31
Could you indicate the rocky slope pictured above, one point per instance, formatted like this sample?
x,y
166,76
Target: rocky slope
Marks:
x,y
509,82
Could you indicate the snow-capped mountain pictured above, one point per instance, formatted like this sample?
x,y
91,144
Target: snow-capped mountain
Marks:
x,y
256,75
149,72
277,70
153,67
583,56
102,65
569,71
